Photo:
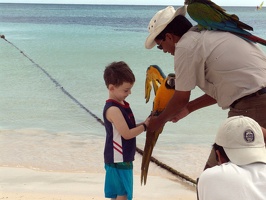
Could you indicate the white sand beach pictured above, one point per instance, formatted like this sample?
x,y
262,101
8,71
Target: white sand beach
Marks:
x,y
57,170
61,168
28,184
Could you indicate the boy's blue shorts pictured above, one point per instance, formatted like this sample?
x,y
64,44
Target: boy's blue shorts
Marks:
x,y
119,180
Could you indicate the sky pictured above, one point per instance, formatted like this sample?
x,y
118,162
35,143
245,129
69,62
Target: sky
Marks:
x,y
137,2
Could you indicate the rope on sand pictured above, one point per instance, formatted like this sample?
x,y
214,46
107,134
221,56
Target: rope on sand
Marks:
x,y
170,169
57,84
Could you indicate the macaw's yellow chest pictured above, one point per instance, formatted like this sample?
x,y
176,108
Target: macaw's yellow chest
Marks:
x,y
163,95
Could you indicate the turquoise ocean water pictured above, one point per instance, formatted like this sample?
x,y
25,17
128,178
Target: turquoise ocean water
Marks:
x,y
42,128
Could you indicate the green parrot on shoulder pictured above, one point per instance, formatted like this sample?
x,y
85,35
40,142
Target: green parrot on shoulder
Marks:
x,y
211,16
164,88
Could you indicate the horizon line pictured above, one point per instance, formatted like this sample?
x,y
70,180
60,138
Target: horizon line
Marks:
x,y
109,4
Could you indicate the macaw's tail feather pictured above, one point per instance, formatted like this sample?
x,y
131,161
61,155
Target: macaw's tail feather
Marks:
x,y
252,38
146,162
151,139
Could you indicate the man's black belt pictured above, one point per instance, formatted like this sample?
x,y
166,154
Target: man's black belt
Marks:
x,y
258,93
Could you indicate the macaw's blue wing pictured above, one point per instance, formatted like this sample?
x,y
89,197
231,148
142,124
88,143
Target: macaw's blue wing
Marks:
x,y
164,91
210,16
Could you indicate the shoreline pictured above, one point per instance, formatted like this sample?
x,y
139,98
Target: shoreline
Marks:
x,y
28,184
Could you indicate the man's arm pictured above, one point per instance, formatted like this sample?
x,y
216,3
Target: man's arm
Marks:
x,y
179,107
203,101
200,102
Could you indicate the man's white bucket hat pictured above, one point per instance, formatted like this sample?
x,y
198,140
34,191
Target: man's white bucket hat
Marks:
x,y
159,21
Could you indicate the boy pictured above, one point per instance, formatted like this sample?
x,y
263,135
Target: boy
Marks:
x,y
121,132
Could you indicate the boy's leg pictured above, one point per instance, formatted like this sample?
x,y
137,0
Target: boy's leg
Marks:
x,y
126,176
121,198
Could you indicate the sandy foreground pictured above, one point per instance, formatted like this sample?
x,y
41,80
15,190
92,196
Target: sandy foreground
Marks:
x,y
28,184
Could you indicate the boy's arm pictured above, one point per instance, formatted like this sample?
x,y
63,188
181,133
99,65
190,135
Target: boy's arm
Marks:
x,y
115,116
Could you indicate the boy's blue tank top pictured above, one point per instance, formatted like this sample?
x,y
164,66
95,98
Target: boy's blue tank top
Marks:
x,y
117,149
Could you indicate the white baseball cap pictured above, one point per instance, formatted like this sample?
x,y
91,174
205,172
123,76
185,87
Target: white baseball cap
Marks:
x,y
242,140
159,21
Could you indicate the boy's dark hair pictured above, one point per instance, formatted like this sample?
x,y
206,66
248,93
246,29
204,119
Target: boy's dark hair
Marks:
x,y
222,152
117,73
178,26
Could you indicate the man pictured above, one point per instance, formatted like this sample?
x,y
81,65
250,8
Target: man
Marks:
x,y
241,153
230,70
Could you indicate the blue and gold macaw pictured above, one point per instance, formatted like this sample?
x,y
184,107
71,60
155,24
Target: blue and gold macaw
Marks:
x,y
210,16
164,88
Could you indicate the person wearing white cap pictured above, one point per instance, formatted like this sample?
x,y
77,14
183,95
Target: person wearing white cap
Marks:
x,y
229,70
241,153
